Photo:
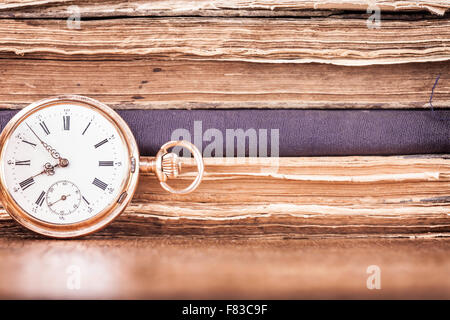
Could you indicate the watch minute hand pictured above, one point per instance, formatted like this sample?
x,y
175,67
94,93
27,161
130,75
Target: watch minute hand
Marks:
x,y
55,154
34,133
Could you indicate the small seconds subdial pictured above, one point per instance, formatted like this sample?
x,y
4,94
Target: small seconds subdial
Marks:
x,y
63,198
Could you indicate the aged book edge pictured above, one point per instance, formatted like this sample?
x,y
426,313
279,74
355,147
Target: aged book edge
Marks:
x,y
61,8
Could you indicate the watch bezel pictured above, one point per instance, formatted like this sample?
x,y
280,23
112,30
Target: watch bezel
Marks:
x,y
101,219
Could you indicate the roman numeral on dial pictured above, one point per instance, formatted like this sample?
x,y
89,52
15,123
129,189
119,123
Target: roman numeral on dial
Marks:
x,y
23,163
106,163
66,123
99,183
40,199
101,143
30,143
26,183
87,202
44,127
86,129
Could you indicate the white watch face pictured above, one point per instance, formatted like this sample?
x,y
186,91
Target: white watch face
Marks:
x,y
65,163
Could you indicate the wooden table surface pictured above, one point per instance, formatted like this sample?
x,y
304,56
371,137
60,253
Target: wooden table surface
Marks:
x,y
210,268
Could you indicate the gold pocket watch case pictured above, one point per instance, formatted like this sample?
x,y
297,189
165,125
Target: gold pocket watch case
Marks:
x,y
70,165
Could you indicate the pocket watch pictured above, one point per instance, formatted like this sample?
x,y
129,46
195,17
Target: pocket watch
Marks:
x,y
70,165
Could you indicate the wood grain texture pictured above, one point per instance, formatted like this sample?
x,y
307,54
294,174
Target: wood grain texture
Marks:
x,y
341,42
151,84
194,268
302,198
268,8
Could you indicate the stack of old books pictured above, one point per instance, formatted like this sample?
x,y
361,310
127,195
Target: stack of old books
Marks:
x,y
316,118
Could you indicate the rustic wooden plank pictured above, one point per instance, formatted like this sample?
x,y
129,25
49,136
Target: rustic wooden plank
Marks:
x,y
192,268
268,8
144,84
304,197
342,42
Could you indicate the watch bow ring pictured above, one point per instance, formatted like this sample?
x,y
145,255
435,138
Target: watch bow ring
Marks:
x,y
70,165
167,165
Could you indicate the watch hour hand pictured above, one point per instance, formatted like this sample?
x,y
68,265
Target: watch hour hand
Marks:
x,y
48,169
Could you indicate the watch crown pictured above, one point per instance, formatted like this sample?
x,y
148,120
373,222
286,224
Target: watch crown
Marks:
x,y
171,165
